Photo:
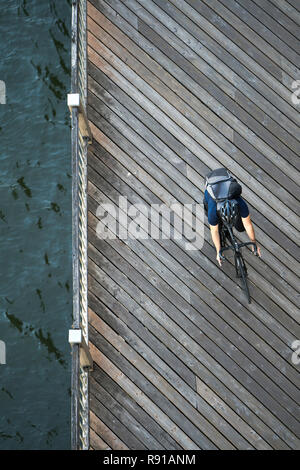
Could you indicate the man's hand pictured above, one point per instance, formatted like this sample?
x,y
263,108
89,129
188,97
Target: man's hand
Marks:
x,y
257,248
219,259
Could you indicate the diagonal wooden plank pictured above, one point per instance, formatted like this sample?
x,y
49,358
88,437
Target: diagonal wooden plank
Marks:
x,y
201,308
168,101
141,398
193,415
96,442
214,350
105,433
176,100
224,410
187,277
152,139
192,361
131,406
123,416
164,371
274,12
266,27
151,182
192,137
165,64
288,10
245,23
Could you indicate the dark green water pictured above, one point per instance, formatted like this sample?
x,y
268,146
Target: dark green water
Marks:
x,y
35,223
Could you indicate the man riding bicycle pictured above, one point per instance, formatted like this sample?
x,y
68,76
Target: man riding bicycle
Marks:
x,y
223,203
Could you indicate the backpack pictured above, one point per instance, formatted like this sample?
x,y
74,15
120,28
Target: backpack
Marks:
x,y
221,185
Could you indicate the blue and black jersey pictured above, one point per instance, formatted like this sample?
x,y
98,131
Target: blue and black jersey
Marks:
x,y
213,218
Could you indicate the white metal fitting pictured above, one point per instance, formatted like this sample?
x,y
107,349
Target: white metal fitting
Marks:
x,y
73,100
76,337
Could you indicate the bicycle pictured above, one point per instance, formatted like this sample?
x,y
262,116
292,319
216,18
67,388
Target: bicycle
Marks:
x,y
226,234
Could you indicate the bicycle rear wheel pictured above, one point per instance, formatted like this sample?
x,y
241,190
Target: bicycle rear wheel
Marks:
x,y
242,273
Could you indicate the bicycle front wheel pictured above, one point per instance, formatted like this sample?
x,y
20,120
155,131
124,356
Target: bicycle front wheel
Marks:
x,y
242,273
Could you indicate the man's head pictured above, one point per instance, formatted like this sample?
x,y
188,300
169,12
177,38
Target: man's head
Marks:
x,y
229,211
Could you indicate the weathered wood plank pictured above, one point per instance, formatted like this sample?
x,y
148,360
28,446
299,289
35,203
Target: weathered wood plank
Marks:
x,y
200,261
278,248
100,280
96,442
178,398
262,221
213,350
177,255
295,4
129,422
95,305
182,353
105,433
224,410
189,140
195,303
190,395
293,295
135,410
243,21
145,394
288,10
267,27
193,334
164,64
98,181
193,190
177,88
206,20
110,86
278,15
222,20
113,423
192,77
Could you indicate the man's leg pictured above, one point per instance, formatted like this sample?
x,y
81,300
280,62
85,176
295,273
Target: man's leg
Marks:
x,y
239,224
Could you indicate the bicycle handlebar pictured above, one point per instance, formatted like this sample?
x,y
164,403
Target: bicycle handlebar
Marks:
x,y
224,249
240,245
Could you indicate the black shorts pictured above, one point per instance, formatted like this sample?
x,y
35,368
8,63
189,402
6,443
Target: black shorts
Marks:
x,y
239,224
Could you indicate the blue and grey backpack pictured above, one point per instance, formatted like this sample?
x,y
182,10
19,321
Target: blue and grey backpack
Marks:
x,y
221,185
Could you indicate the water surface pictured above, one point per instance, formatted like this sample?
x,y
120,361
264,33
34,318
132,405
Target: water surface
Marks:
x,y
35,223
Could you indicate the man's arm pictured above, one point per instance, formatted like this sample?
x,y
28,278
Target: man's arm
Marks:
x,y
214,230
250,231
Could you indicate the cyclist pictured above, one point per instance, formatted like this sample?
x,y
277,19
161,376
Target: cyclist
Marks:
x,y
232,208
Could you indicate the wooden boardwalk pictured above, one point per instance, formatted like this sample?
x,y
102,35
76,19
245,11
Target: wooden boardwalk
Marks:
x,y
177,88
